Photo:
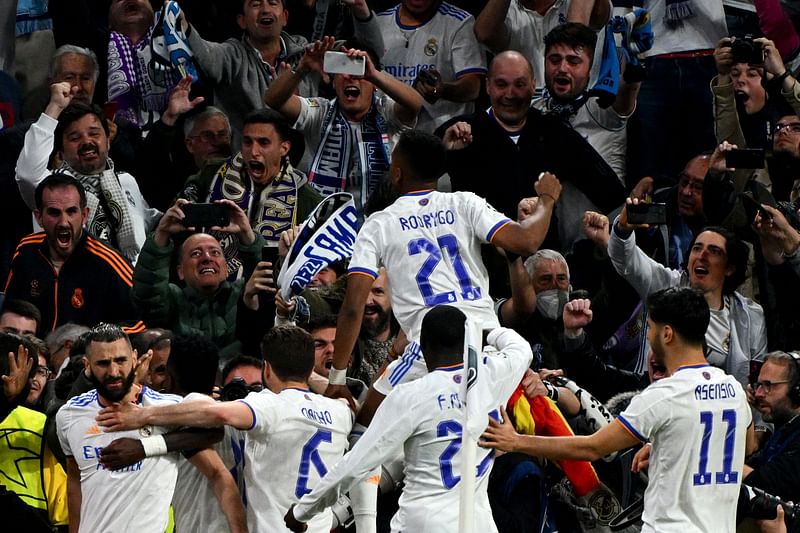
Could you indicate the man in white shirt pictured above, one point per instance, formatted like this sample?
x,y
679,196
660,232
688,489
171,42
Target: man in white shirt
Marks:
x,y
697,421
293,436
424,418
135,497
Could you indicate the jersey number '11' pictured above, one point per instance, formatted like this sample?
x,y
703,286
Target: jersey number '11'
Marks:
x,y
727,476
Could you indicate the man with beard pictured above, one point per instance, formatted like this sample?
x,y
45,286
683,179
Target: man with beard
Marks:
x,y
697,421
79,133
68,274
776,467
349,139
378,331
717,266
133,497
523,142
260,180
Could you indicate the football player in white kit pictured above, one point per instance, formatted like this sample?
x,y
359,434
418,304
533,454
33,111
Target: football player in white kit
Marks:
x,y
697,420
424,418
293,436
429,243
133,498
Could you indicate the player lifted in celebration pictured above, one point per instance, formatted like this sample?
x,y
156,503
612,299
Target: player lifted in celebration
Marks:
x,y
424,418
293,435
134,498
429,243
697,421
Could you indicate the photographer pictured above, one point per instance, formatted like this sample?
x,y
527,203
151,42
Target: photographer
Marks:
x,y
207,304
241,376
775,469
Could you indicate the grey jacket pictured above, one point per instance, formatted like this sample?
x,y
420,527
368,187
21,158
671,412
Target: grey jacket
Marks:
x,y
646,276
241,77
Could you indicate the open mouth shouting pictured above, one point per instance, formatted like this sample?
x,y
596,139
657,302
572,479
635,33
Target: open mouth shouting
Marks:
x,y
351,93
207,270
257,169
266,21
88,151
562,83
700,272
64,237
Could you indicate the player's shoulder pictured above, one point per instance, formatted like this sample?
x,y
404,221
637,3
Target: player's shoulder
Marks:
x,y
449,11
150,397
81,401
388,13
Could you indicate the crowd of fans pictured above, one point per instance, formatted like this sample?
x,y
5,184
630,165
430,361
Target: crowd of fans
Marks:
x,y
639,145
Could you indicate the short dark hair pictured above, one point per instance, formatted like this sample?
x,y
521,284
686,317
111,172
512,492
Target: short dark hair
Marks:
x,y
22,308
737,253
54,181
193,361
239,361
150,339
328,320
442,335
574,35
270,116
9,342
105,332
72,113
290,352
684,309
422,155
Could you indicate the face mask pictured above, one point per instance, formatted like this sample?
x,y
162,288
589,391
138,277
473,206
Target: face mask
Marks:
x,y
550,303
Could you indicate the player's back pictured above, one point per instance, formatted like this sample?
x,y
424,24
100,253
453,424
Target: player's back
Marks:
x,y
296,437
429,243
698,451
433,455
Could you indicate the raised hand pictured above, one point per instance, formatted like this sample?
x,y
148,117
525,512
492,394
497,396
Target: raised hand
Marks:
x,y
577,315
19,371
548,185
458,136
61,95
179,102
595,226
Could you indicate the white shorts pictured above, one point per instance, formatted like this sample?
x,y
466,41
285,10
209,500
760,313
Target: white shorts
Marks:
x,y
408,367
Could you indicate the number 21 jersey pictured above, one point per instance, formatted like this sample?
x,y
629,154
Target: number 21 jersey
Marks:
x,y
429,243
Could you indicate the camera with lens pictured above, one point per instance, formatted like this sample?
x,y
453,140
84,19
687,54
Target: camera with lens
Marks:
x,y
746,50
237,389
756,504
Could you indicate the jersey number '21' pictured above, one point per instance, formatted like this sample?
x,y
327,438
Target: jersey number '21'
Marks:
x,y
310,455
449,244
445,428
727,476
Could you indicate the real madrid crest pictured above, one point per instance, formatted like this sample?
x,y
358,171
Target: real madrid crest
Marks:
x,y
35,293
77,298
146,431
431,47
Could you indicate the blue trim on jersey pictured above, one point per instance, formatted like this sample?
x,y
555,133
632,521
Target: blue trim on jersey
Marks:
x,y
701,365
471,70
252,411
406,364
403,26
452,11
155,395
83,399
496,228
360,270
631,428
417,193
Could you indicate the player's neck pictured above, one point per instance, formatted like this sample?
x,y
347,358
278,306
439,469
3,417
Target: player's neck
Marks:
x,y
277,386
684,356
407,18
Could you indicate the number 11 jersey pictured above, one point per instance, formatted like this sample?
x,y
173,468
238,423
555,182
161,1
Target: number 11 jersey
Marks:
x,y
429,243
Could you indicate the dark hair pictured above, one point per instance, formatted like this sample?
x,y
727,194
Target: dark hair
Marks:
x,y
737,253
54,181
574,35
73,113
290,352
150,339
192,364
22,308
105,333
327,320
239,361
683,308
270,116
442,335
9,342
422,155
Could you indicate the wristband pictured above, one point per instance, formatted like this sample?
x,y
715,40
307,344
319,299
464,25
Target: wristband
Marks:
x,y
778,80
552,391
337,376
550,195
154,446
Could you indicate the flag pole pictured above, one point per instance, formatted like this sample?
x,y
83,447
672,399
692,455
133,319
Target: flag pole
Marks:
x,y
466,514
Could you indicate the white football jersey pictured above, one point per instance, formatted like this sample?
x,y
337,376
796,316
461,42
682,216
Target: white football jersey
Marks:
x,y
697,421
297,436
424,418
446,42
134,498
429,243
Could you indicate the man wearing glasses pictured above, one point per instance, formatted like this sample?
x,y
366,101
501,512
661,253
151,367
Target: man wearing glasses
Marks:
x,y
784,168
776,467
